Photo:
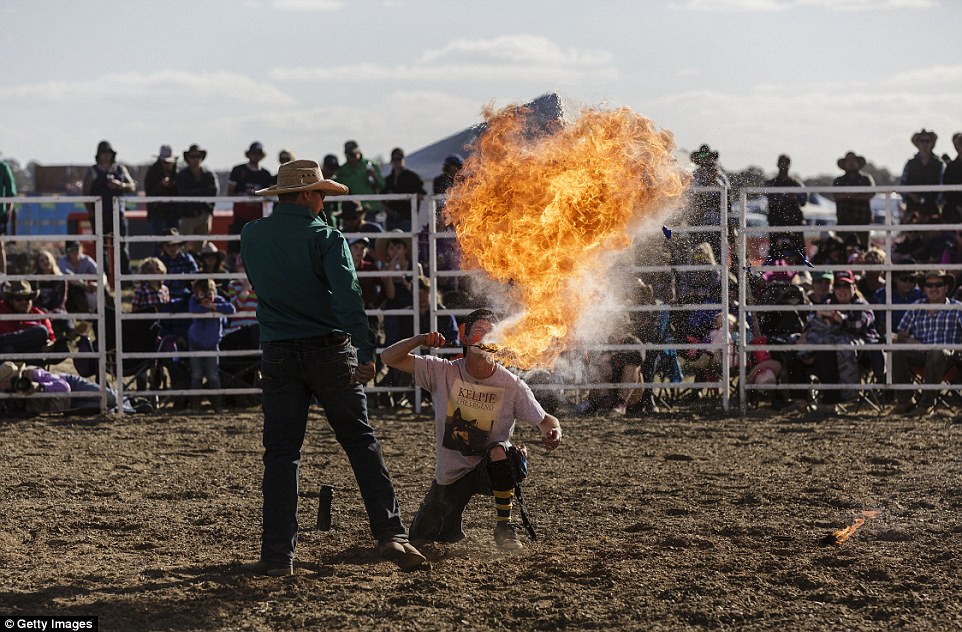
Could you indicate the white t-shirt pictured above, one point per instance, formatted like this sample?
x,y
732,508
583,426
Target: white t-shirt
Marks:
x,y
470,414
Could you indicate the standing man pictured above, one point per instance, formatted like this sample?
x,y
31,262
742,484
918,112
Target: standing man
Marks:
x,y
244,180
161,181
401,180
923,168
476,403
360,175
854,208
109,180
195,180
785,209
316,343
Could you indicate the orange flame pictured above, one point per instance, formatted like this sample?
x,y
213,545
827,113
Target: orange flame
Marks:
x,y
847,532
540,214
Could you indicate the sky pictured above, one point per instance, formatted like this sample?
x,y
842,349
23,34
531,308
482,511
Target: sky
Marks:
x,y
751,78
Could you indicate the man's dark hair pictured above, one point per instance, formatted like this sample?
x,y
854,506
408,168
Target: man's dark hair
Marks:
x,y
470,319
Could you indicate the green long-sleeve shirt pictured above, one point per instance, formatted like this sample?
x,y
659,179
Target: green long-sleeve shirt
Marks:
x,y
304,277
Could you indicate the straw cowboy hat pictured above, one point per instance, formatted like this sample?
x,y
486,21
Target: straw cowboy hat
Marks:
x,y
851,154
302,175
924,134
10,371
19,289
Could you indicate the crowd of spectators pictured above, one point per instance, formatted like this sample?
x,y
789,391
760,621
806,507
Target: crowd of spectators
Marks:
x,y
381,241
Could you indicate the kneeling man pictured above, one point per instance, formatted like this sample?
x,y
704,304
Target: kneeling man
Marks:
x,y
476,403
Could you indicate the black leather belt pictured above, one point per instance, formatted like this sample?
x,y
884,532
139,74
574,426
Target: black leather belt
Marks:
x,y
329,339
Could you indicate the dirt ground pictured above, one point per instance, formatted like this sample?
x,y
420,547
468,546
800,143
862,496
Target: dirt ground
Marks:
x,y
676,521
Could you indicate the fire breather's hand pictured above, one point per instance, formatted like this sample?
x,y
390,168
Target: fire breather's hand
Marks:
x,y
552,438
434,339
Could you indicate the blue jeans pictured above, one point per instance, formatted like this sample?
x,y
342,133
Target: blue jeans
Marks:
x,y
294,372
204,367
82,385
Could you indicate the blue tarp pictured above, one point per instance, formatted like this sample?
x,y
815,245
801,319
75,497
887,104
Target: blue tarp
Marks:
x,y
34,218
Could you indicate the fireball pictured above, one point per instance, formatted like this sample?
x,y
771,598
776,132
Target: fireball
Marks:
x,y
541,214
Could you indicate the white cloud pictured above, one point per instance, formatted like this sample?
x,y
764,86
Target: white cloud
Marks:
x,y
817,122
160,87
512,57
927,78
515,49
307,5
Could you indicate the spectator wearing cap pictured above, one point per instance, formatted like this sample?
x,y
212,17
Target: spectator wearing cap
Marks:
x,y
785,209
952,210
161,181
849,327
244,180
922,168
109,180
360,175
178,261
854,208
195,180
32,334
401,180
927,326
81,295
449,170
352,219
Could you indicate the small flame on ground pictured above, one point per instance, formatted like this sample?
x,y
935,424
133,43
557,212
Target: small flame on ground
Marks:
x,y
541,214
844,534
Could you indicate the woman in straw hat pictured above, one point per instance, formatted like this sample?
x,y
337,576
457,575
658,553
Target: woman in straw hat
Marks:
x,y
316,343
